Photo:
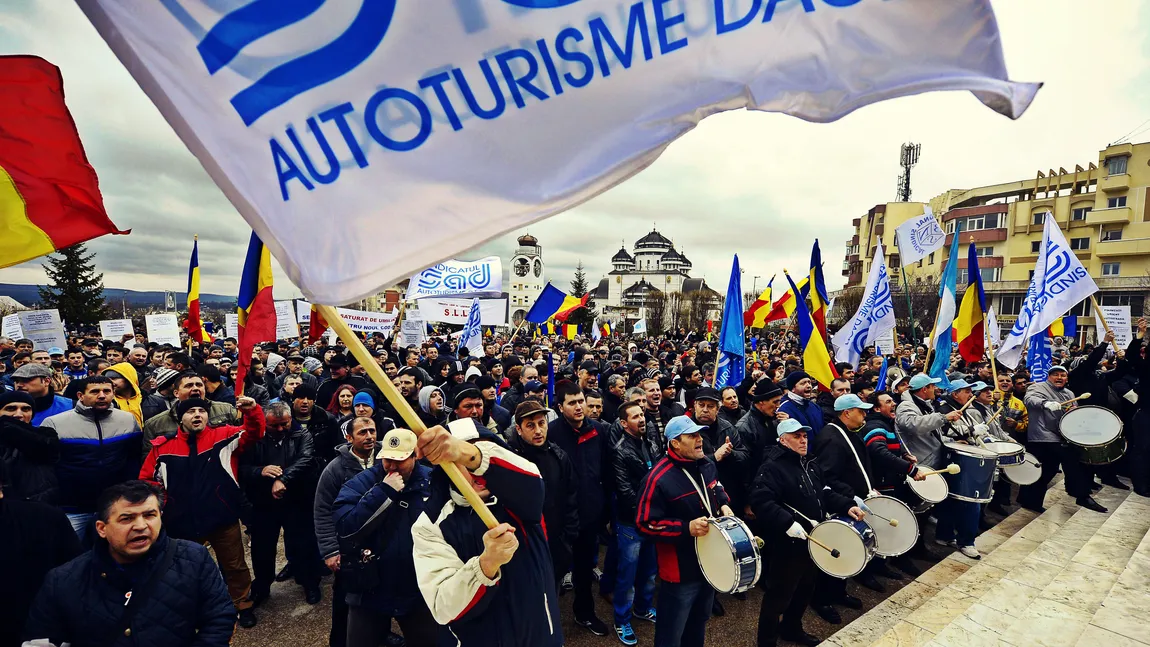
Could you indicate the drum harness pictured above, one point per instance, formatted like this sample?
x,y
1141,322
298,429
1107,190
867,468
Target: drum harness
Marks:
x,y
702,495
866,476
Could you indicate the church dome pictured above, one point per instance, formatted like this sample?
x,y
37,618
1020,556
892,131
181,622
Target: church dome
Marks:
x,y
653,239
671,256
527,240
622,256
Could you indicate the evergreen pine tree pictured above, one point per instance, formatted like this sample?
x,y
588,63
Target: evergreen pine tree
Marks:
x,y
74,288
583,316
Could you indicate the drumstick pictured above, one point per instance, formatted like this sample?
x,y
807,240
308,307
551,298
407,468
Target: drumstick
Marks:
x,y
1081,397
949,469
833,551
892,522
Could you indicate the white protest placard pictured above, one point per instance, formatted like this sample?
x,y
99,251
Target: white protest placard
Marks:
x,y
286,326
358,320
44,328
232,325
483,277
115,329
1118,318
412,332
493,312
10,327
163,328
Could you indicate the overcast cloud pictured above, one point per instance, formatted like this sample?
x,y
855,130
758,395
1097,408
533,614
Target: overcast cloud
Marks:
x,y
760,185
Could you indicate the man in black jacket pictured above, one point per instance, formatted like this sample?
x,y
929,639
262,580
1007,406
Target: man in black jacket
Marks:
x,y
88,601
722,444
730,409
757,430
561,485
28,454
633,456
279,477
585,441
318,423
615,388
790,494
340,374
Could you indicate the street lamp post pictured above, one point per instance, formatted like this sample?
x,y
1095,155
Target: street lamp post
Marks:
x,y
755,285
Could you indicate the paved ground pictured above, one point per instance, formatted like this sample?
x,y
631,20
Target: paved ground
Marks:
x,y
285,620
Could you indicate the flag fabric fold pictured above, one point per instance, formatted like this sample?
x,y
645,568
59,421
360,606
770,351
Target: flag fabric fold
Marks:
x,y
731,366
255,308
874,317
49,195
556,304
316,325
194,324
1064,327
942,339
784,307
818,295
756,314
817,361
472,337
970,324
919,237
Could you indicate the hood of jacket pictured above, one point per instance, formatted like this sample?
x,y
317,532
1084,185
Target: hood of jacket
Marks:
x,y
130,374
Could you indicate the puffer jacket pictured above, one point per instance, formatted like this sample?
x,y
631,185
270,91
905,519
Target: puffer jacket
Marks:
x,y
81,602
370,514
631,460
166,423
886,452
28,457
47,406
920,426
199,475
788,479
97,449
133,403
1043,422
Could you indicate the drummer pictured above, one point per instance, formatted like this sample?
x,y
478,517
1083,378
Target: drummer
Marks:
x,y
1012,421
789,480
984,407
920,423
958,520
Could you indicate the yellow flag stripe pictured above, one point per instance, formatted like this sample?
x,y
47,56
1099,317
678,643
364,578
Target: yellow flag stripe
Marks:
x,y
22,240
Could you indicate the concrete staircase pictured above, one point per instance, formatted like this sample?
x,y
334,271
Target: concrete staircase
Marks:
x,y
1067,578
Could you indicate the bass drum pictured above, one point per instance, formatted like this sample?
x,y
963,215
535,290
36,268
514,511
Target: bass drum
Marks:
x,y
729,555
891,539
854,540
1094,433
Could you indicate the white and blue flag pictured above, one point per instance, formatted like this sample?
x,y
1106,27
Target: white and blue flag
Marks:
x,y
943,336
731,367
919,237
1060,282
472,337
435,115
874,318
1039,356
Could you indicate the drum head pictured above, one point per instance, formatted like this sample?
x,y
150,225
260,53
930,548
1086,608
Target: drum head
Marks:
x,y
1090,425
933,488
891,541
717,560
853,555
1024,473
970,450
1005,448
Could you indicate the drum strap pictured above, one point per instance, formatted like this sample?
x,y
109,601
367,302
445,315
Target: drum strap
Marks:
x,y
856,455
809,520
702,494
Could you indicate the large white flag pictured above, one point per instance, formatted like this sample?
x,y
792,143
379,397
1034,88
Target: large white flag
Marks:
x,y
439,125
993,331
875,315
472,337
918,237
1059,283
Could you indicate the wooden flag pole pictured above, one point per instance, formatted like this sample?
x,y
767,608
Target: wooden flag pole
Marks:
x,y
1105,326
930,339
990,354
517,329
357,348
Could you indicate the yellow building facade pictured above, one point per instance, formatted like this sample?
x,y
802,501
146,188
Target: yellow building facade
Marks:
x,y
1103,210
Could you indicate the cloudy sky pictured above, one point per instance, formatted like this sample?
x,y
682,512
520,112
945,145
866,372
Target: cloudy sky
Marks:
x,y
761,185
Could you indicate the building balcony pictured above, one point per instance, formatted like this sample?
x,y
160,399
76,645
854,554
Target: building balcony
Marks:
x,y
856,222
1114,216
853,258
879,229
855,240
1130,247
1111,183
854,279
983,262
980,210
980,236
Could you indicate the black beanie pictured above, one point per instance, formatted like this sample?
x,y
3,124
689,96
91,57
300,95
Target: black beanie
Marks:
x,y
8,397
183,405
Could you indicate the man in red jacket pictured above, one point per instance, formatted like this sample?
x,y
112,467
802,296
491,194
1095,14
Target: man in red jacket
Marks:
x,y
197,470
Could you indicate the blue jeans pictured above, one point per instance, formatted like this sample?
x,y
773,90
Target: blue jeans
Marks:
x,y
636,568
683,613
959,521
83,524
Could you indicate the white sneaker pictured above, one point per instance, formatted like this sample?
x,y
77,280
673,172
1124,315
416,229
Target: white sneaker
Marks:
x,y
970,551
567,584
597,573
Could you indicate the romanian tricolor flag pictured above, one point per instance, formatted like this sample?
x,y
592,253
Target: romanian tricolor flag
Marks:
x,y
194,324
756,315
1064,327
257,311
556,304
819,298
817,361
605,329
549,327
784,308
970,323
317,325
570,330
49,195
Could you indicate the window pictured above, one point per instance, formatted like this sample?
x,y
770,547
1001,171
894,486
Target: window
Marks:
x,y
985,251
1079,243
1080,309
1116,165
1135,301
1030,276
932,258
989,274
1115,203
1111,234
894,260
1110,269
1078,214
1010,304
1034,245
920,262
1038,218
974,223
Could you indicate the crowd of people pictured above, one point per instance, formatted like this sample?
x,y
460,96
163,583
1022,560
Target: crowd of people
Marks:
x,y
598,463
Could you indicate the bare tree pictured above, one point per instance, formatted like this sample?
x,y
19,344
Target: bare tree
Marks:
x,y
656,305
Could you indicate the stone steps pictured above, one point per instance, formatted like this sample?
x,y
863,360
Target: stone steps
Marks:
x,y
1067,577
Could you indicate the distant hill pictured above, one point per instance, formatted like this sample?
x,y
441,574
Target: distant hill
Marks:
x,y
29,295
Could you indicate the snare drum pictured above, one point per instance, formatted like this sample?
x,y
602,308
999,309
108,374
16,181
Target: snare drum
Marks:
x,y
729,555
1094,433
854,540
975,480
1009,453
1026,472
891,541
925,494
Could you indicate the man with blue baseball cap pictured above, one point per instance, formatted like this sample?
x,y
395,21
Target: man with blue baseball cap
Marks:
x,y
678,496
920,423
790,494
